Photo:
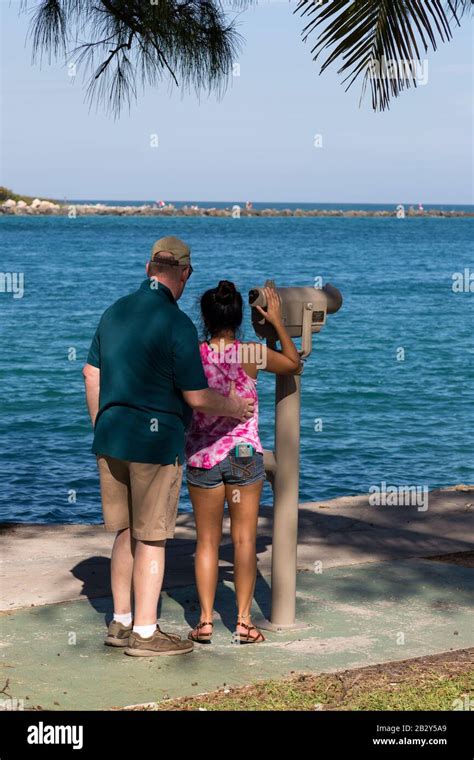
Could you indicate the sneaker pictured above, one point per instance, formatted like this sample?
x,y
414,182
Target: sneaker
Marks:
x,y
160,643
117,634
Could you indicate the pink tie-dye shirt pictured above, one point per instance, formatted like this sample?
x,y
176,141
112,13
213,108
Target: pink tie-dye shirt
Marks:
x,y
210,438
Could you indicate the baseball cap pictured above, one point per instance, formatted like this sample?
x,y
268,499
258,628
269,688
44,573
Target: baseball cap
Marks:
x,y
173,245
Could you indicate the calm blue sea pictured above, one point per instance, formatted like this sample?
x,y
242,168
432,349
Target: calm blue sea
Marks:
x,y
403,422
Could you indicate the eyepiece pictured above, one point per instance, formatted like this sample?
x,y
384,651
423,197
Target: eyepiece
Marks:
x,y
257,297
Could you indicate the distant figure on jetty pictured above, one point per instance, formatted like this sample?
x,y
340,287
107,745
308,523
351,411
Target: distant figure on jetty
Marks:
x,y
143,378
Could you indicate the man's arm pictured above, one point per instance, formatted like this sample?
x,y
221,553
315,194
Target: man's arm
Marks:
x,y
92,383
190,379
211,402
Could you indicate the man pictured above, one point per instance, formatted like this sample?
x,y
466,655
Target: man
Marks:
x,y
143,377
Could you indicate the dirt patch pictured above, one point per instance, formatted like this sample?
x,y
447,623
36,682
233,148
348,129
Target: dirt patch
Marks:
x,y
442,681
466,559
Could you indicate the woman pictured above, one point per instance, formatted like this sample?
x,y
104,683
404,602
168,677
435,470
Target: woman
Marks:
x,y
225,457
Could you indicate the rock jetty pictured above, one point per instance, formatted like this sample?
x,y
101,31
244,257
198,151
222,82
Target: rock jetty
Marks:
x,y
47,208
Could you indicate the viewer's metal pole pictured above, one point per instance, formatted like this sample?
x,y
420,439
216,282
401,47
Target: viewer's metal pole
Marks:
x,y
285,509
304,310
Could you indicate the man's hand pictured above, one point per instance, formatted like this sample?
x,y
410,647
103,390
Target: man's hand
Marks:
x,y
211,402
244,407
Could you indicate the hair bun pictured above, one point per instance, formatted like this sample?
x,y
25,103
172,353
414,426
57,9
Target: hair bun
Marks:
x,y
225,292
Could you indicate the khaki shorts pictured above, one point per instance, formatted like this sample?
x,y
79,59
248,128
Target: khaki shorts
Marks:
x,y
143,497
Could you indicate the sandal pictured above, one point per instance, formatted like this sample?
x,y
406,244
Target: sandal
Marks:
x,y
201,638
246,638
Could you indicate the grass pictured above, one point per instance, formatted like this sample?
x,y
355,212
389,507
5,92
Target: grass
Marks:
x,y
425,683
6,193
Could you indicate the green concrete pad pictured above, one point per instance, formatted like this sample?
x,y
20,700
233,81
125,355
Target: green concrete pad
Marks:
x,y
53,655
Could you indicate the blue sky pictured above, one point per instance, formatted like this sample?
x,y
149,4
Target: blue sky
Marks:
x,y
256,143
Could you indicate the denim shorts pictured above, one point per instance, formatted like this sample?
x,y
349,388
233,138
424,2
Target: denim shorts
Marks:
x,y
235,471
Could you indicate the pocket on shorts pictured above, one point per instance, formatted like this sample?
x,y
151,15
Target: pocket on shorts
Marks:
x,y
202,478
195,473
245,470
243,467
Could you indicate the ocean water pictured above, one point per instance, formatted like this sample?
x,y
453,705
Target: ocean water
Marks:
x,y
405,422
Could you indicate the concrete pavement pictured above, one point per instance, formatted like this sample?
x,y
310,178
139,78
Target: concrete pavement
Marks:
x,y
370,598
44,564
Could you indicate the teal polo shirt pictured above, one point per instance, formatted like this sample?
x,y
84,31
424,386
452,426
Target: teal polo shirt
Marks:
x,y
147,351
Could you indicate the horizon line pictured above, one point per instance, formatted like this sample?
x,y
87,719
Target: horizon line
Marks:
x,y
344,203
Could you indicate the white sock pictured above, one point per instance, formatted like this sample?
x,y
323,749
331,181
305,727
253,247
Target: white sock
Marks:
x,y
125,619
145,631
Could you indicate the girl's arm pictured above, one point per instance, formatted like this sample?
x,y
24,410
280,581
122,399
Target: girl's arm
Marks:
x,y
287,361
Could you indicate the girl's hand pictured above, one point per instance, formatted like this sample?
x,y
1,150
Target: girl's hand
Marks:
x,y
273,312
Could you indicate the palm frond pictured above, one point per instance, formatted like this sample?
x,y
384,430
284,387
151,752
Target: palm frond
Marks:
x,y
122,44
379,41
